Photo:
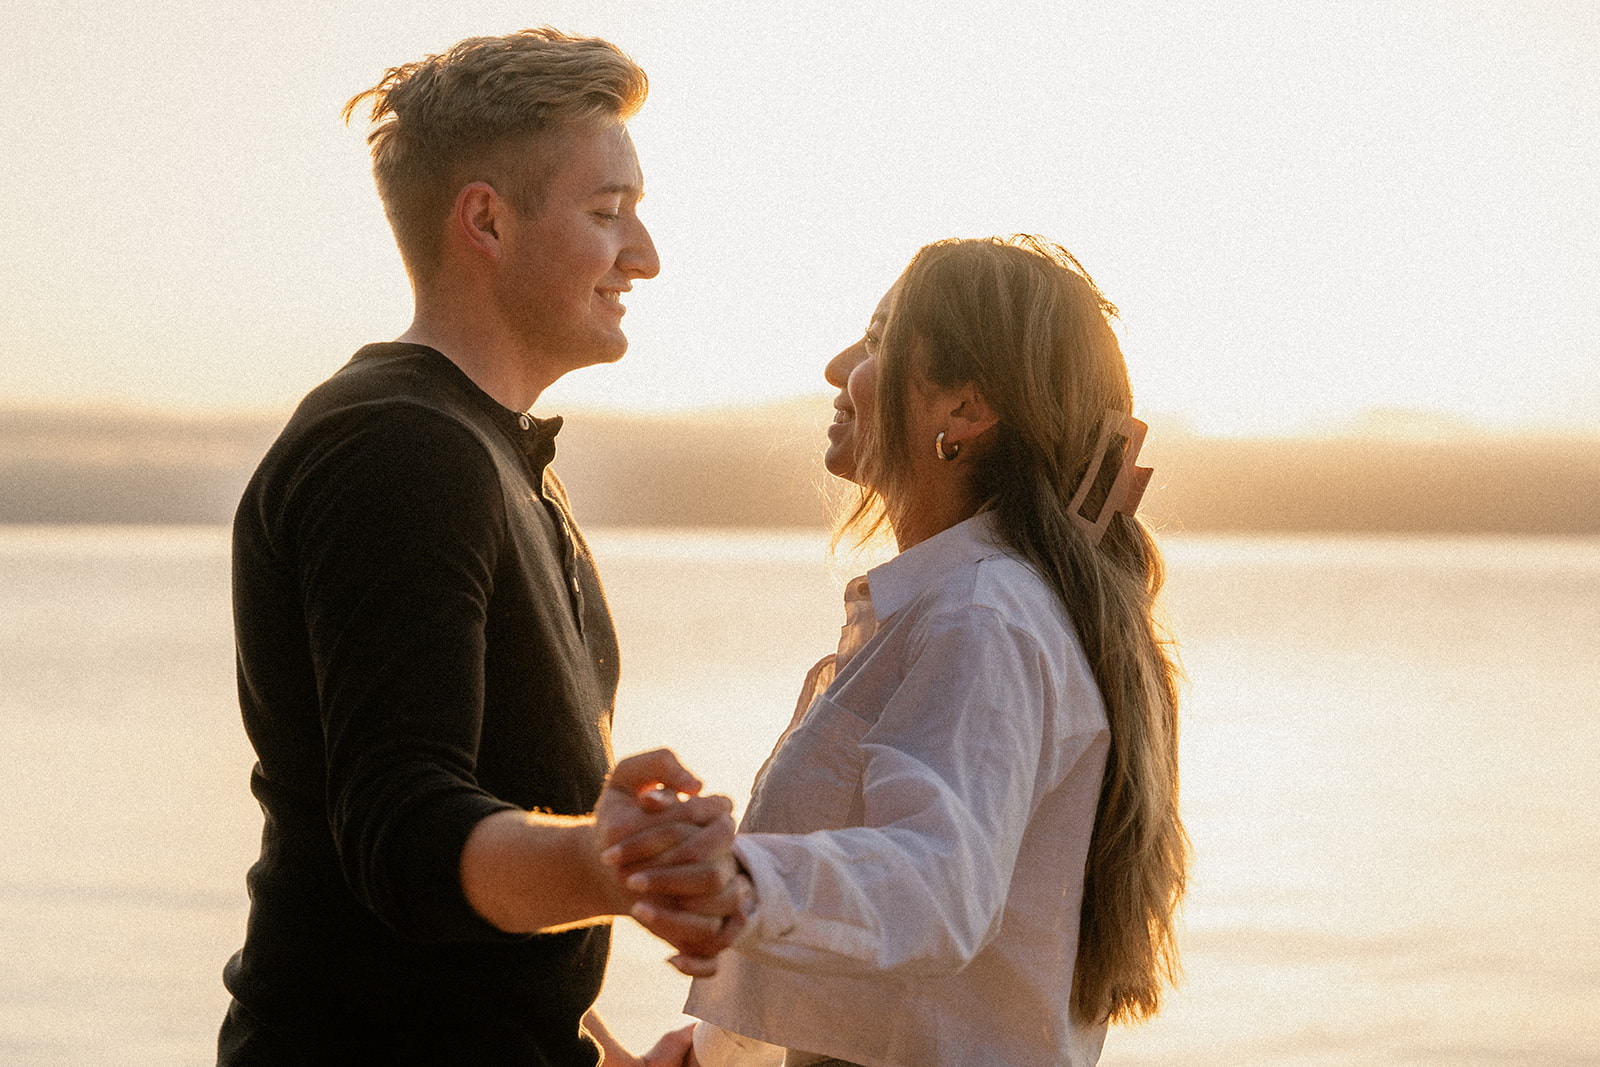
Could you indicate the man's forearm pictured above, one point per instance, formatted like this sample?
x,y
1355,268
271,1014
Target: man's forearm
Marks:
x,y
527,872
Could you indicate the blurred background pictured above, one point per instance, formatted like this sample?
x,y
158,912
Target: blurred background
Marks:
x,y
1356,248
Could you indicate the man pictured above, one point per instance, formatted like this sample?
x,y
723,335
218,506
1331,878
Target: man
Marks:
x,y
427,667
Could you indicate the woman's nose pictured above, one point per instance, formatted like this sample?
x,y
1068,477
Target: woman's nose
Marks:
x,y
837,372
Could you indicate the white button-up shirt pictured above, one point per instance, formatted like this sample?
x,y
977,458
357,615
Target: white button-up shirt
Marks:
x,y
917,837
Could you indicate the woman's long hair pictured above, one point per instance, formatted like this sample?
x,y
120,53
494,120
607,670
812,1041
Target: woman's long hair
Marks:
x,y
1021,320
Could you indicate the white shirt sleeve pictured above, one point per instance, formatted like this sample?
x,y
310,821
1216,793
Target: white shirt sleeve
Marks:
x,y
954,760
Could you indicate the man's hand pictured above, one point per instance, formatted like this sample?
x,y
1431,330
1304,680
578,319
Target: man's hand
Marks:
x,y
652,802
531,871
671,853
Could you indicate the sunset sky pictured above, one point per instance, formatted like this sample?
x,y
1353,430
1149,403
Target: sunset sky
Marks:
x,y
1305,211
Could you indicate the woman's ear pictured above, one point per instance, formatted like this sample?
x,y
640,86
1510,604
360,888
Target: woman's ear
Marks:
x,y
970,414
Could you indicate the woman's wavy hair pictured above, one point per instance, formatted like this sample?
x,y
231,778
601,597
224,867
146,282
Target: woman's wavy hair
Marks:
x,y
472,113
1022,321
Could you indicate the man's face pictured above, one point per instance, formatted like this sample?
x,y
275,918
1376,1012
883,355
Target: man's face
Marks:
x,y
570,261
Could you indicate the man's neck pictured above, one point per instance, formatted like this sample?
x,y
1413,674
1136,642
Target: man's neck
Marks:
x,y
493,364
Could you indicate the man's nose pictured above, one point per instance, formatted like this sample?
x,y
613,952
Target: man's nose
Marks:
x,y
639,258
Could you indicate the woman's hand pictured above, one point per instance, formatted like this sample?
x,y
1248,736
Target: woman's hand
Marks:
x,y
675,1049
700,927
670,853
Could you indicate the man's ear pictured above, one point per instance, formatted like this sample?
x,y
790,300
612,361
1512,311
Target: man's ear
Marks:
x,y
970,414
478,218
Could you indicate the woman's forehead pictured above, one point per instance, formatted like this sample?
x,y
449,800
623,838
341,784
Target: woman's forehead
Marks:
x,y
882,310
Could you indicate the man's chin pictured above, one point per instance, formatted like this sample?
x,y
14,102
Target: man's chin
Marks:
x,y
614,351
599,356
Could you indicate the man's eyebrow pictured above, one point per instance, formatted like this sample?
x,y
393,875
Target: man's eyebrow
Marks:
x,y
627,189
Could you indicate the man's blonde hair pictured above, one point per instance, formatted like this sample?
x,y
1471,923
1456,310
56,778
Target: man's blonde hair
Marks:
x,y
472,114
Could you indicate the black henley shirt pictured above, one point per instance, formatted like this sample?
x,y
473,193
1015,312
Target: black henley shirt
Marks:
x,y
422,641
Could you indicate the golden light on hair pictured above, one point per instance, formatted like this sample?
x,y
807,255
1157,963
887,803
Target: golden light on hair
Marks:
x,y
472,113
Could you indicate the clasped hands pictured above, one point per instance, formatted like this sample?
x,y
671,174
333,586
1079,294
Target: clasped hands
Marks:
x,y
670,853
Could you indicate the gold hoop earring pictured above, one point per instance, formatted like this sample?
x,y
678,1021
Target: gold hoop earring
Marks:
x,y
939,449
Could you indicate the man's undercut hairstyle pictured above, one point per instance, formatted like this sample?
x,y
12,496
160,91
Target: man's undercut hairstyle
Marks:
x,y
472,114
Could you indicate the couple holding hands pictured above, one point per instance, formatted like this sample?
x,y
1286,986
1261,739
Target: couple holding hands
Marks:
x,y
964,849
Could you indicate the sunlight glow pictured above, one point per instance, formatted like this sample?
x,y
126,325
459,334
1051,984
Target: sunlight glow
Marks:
x,y
1304,212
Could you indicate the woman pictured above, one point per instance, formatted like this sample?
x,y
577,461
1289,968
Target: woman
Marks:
x,y
966,847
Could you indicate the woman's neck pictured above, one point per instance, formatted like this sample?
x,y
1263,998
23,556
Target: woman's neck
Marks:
x,y
916,524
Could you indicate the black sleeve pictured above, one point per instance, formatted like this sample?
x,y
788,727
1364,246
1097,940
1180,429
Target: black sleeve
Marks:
x,y
396,526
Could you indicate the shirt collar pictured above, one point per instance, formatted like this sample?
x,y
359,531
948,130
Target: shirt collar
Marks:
x,y
535,437
895,584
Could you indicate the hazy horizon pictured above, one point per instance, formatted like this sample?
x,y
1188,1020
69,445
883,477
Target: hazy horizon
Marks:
x,y
1379,423
762,466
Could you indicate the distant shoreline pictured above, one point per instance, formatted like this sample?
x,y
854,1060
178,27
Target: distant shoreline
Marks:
x,y
744,470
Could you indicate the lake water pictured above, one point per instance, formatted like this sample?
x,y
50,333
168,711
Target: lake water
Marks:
x,y
1389,760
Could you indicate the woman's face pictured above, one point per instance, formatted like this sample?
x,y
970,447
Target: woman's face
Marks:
x,y
854,372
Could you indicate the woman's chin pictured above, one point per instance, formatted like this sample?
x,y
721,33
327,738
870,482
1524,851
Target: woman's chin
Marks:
x,y
841,465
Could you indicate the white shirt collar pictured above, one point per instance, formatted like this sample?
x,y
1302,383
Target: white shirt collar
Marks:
x,y
895,584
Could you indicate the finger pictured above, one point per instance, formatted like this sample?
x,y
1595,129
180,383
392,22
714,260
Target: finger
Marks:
x,y
692,935
695,917
691,880
710,842
700,845
622,815
685,930
694,966
662,840
655,801
659,805
703,811
665,830
733,904
647,770
699,810
650,844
